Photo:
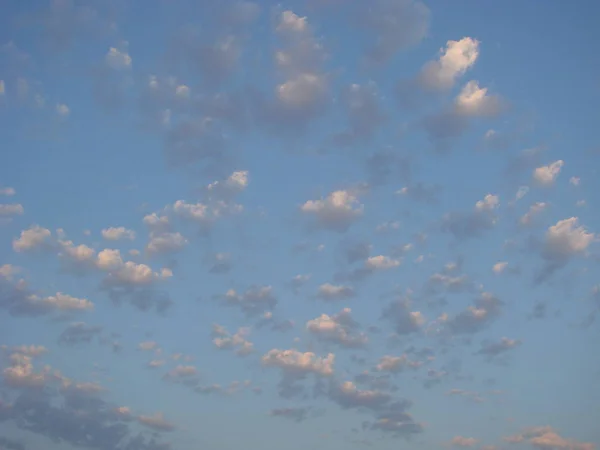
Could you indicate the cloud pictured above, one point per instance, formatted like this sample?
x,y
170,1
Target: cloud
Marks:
x,y
455,59
339,329
396,24
255,300
10,210
402,318
465,442
528,218
337,212
117,233
118,59
547,438
224,340
156,422
420,192
295,414
546,175
164,243
332,292
493,349
566,239
396,364
475,318
7,191
33,238
79,332
295,363
465,225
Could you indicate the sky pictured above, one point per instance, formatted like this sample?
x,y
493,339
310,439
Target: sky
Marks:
x,y
302,224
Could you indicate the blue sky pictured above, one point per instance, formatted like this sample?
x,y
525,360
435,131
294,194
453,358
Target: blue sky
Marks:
x,y
324,223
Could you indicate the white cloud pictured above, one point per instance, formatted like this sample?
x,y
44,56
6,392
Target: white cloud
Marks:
x,y
303,91
298,363
565,239
118,59
9,210
62,110
117,233
455,59
8,191
499,267
32,238
336,212
224,340
339,329
161,243
127,273
575,181
475,101
534,210
292,23
330,292
546,175
381,263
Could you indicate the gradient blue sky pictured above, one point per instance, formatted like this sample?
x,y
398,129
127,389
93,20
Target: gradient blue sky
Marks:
x,y
306,224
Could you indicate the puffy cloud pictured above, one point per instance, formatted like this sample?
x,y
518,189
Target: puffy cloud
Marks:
x,y
402,318
546,438
485,309
397,25
33,351
295,363
234,184
464,225
205,214
348,395
117,233
566,239
181,372
224,340
338,211
381,263
62,110
331,292
78,333
296,414
255,300
20,373
465,442
8,191
33,238
546,175
147,346
157,223
394,364
58,302
534,210
575,181
454,61
157,422
127,273
338,329
361,105
474,101
166,242
420,192
221,263
10,210
118,59
493,349
499,267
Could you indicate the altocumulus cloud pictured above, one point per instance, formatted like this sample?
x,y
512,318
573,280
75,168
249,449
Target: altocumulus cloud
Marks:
x,y
349,222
